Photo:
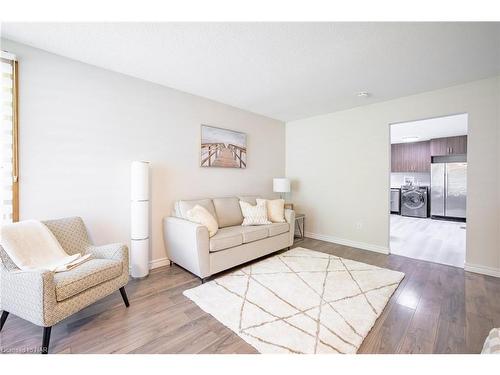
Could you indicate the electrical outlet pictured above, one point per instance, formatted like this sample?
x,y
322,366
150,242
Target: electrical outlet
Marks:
x,y
359,225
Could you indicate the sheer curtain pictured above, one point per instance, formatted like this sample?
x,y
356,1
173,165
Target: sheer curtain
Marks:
x,y
9,177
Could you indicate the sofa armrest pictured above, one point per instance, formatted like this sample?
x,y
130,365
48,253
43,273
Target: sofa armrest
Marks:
x,y
114,251
187,244
28,294
290,219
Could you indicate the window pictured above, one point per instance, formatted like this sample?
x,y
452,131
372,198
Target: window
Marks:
x,y
9,163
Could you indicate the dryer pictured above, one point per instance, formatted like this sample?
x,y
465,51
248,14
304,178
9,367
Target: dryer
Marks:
x,y
414,201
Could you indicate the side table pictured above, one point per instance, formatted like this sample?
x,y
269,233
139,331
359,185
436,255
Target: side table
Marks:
x,y
300,226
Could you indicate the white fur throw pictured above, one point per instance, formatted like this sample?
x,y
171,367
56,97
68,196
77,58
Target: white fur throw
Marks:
x,y
32,246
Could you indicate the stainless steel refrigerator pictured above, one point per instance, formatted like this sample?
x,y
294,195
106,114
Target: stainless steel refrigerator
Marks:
x,y
448,188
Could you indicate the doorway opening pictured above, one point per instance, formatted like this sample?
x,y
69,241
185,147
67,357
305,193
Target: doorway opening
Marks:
x,y
428,193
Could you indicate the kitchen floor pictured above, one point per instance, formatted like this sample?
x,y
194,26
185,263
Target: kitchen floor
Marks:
x,y
436,241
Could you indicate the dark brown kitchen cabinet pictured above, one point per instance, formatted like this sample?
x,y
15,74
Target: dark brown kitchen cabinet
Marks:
x,y
397,157
458,145
411,157
439,146
449,146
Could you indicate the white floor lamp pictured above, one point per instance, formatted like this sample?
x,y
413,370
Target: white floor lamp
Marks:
x,y
139,219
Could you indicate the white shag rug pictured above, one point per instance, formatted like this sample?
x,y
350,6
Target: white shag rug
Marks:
x,y
300,301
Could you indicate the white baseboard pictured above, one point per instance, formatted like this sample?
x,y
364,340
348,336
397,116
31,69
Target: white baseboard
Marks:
x,y
343,241
155,264
484,270
158,263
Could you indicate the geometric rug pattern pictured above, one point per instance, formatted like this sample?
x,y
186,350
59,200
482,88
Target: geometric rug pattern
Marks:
x,y
299,301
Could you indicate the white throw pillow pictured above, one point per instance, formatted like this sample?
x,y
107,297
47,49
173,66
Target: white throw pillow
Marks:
x,y
275,209
200,215
254,215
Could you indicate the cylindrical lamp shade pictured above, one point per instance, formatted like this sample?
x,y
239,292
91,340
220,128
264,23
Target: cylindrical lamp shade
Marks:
x,y
139,181
281,185
139,218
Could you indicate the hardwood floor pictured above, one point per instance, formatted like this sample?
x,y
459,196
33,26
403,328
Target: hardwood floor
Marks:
x,y
436,309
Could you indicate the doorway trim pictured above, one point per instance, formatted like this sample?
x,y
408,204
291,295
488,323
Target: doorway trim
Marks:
x,y
465,266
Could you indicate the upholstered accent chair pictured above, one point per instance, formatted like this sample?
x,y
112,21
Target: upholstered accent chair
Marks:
x,y
45,298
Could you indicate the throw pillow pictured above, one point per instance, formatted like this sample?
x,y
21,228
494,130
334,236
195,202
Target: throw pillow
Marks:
x,y
275,209
254,215
200,215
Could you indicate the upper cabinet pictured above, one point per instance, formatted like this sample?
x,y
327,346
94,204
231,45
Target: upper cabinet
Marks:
x,y
449,146
439,146
397,157
411,157
416,156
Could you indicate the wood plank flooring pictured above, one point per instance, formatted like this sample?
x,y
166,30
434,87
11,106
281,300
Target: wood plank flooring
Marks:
x,y
436,309
438,241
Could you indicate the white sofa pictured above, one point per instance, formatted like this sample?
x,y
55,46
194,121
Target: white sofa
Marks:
x,y
189,245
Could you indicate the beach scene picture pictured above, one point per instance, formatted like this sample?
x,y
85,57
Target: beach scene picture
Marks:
x,y
223,148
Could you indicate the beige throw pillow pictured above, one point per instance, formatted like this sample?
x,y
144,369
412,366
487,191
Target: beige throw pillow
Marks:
x,y
254,215
275,209
200,215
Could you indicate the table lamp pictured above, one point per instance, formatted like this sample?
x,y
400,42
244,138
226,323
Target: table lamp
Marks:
x,y
281,185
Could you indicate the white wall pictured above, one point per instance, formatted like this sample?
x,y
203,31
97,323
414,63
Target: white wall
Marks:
x,y
80,126
340,164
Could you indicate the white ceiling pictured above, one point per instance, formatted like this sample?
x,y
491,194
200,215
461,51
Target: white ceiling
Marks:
x,y
424,130
282,70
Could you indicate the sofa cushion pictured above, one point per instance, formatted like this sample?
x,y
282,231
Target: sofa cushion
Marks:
x,y
275,209
277,228
200,215
254,215
226,238
87,275
182,207
228,211
252,199
251,234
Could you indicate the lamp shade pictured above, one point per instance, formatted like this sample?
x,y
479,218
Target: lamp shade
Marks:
x,y
281,185
139,181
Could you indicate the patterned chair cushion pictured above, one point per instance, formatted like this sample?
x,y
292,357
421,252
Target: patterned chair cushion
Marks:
x,y
492,343
71,234
85,276
6,261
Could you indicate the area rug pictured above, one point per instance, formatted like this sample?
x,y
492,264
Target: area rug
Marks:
x,y
300,301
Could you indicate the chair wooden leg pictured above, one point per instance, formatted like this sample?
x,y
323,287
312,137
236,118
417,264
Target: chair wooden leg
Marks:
x,y
5,314
46,340
124,296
